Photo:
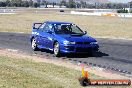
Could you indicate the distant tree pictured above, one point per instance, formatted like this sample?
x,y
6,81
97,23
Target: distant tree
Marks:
x,y
71,4
53,4
46,4
25,4
42,2
114,6
63,3
130,4
83,4
36,4
2,4
78,5
8,3
109,5
16,3
30,3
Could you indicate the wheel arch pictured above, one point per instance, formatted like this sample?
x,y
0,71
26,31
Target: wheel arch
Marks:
x,y
31,38
54,42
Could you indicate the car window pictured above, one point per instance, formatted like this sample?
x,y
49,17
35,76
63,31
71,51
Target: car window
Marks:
x,y
67,29
75,29
42,26
45,27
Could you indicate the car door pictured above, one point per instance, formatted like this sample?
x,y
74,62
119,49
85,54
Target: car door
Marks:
x,y
48,29
45,37
41,38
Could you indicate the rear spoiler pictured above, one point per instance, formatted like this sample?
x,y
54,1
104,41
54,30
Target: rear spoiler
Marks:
x,y
36,25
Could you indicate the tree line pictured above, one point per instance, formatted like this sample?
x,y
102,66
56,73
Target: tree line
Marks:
x,y
18,3
69,4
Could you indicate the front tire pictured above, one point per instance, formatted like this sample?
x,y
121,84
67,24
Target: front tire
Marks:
x,y
34,44
56,49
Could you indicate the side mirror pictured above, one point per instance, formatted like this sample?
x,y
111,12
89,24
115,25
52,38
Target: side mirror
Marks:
x,y
85,32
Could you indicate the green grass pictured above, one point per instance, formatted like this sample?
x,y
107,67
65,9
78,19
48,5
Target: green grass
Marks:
x,y
95,25
19,73
22,73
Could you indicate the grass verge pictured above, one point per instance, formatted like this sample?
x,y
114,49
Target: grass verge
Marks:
x,y
20,73
95,25
25,73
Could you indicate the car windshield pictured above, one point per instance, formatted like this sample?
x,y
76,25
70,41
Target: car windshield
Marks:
x,y
67,29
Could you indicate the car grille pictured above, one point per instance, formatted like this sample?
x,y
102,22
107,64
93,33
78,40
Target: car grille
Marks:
x,y
82,42
71,48
80,49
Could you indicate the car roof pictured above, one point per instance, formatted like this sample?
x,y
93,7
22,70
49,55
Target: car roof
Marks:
x,y
58,22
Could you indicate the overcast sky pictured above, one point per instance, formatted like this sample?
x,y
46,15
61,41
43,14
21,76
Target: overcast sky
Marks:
x,y
123,1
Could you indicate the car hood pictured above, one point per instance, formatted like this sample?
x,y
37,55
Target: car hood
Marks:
x,y
78,38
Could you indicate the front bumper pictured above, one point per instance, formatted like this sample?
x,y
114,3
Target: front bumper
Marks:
x,y
78,48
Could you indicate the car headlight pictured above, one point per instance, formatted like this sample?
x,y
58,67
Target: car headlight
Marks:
x,y
68,42
94,43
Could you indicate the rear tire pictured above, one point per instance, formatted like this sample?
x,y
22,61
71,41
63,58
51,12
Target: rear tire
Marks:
x,y
34,44
56,49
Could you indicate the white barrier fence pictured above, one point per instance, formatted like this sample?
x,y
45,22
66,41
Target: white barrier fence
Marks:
x,y
125,15
7,11
102,14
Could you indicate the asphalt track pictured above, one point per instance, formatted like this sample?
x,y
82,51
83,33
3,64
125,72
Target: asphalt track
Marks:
x,y
115,54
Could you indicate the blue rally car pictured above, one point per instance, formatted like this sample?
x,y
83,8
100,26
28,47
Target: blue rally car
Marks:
x,y
61,37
